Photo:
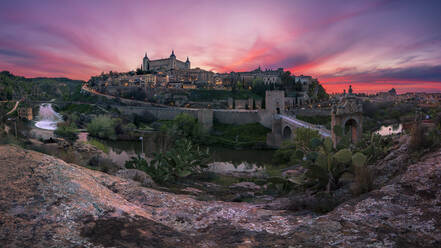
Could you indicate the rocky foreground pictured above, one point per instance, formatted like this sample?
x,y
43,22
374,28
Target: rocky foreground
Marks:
x,y
45,202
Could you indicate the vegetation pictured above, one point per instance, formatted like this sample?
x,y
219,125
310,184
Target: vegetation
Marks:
x,y
99,145
183,126
377,113
14,87
67,131
324,164
103,127
235,136
324,120
181,161
424,138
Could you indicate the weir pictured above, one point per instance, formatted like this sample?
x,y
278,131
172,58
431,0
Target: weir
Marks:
x,y
47,117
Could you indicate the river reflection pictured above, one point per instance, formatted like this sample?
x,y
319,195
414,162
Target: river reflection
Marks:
x,y
391,129
121,151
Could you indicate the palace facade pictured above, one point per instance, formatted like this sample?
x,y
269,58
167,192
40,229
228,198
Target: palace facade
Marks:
x,y
166,64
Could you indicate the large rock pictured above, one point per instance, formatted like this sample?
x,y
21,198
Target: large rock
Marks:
x,y
45,202
136,175
395,163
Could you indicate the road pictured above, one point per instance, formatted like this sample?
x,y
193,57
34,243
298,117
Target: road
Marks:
x,y
322,131
14,108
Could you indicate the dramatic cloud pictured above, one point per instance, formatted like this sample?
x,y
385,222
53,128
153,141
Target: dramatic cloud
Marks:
x,y
374,45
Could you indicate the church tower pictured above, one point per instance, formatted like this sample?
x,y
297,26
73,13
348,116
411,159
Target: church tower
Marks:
x,y
173,60
145,63
187,63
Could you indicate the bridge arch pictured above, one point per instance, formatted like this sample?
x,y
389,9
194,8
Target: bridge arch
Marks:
x,y
287,133
351,128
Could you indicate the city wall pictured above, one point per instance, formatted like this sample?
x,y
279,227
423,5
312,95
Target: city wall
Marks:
x,y
205,116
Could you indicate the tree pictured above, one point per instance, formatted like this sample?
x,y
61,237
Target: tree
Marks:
x,y
184,126
67,132
103,127
258,87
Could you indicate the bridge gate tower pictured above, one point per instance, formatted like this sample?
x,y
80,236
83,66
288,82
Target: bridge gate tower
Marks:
x,y
347,118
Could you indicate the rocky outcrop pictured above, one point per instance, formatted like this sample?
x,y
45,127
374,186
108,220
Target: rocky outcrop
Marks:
x,y
136,175
45,202
395,163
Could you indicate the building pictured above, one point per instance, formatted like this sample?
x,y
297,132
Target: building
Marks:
x,y
166,64
267,76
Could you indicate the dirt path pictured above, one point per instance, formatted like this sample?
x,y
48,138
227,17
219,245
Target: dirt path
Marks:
x,y
14,108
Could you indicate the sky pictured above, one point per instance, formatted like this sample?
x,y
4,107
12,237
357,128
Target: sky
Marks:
x,y
373,45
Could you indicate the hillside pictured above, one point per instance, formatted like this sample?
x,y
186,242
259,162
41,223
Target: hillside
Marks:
x,y
46,202
15,87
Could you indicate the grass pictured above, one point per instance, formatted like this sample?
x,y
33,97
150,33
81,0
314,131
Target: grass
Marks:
x,y
99,145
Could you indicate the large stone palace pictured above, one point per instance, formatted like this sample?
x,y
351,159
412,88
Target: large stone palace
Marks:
x,y
166,64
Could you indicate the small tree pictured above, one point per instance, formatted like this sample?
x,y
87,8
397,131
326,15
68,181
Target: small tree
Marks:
x,y
67,132
103,127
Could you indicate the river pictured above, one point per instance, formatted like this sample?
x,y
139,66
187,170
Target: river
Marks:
x,y
121,151
391,129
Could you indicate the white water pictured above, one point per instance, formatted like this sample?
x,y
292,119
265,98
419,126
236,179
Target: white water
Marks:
x,y
47,117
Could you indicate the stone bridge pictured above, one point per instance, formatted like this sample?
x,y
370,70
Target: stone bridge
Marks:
x,y
284,126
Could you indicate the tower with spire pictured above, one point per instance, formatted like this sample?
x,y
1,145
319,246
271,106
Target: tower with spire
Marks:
x,y
173,60
145,63
187,63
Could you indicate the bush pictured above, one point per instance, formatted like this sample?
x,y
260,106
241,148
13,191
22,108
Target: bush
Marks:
x,y
103,127
183,126
181,161
99,145
246,135
284,154
67,132
102,164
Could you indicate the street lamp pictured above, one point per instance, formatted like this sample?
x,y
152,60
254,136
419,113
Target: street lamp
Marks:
x,y
142,144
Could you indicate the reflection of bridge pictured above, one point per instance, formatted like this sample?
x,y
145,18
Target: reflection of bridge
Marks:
x,y
284,127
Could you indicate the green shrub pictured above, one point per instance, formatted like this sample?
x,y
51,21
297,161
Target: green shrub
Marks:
x,y
99,145
182,160
67,132
363,178
183,126
103,127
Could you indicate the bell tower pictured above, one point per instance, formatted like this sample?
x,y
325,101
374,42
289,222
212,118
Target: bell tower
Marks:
x,y
145,63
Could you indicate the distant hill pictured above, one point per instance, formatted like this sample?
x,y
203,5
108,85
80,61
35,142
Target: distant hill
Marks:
x,y
16,87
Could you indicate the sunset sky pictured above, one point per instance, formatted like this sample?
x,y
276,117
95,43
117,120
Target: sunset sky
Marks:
x,y
373,45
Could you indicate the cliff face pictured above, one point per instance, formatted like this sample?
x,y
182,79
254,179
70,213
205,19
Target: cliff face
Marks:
x,y
45,202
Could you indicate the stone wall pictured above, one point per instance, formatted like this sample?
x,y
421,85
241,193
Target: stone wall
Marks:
x,y
238,117
205,116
